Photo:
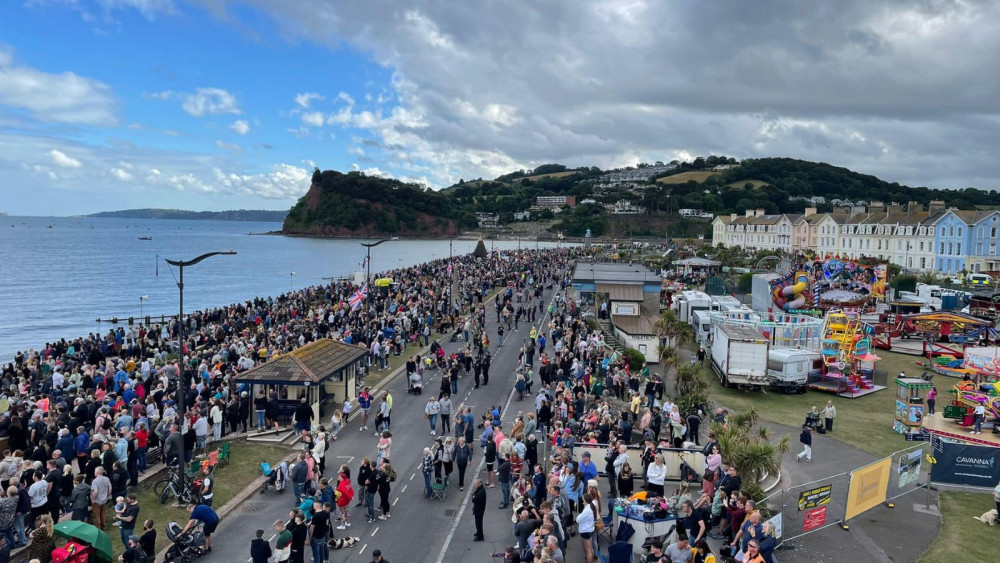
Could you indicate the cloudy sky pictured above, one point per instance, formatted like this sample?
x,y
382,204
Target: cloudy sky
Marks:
x,y
220,104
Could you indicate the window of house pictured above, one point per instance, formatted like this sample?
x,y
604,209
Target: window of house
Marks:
x,y
960,231
958,249
923,263
951,231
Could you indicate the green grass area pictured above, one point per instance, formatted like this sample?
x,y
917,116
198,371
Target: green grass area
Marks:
x,y
865,422
232,478
757,184
684,177
961,537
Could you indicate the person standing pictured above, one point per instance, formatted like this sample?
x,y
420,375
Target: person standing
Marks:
x,y
100,493
283,543
829,413
931,401
478,508
445,411
319,529
260,549
365,403
979,415
463,457
129,517
427,469
805,438
431,411
503,476
385,475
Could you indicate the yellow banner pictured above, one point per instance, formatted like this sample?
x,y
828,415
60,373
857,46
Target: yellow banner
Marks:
x,y
868,487
878,284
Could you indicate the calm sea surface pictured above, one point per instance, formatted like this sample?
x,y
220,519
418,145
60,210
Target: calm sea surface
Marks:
x,y
55,282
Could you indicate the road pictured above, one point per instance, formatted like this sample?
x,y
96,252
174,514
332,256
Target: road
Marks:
x,y
419,529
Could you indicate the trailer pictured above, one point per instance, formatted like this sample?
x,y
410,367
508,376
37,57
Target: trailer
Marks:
x,y
739,356
789,368
701,322
691,301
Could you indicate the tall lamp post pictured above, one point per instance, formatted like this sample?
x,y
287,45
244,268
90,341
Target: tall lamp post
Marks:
x,y
182,384
451,275
291,282
368,263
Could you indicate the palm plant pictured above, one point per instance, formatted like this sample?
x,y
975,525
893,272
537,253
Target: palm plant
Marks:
x,y
749,448
692,388
672,332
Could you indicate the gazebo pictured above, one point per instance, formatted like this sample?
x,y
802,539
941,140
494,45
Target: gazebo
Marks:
x,y
323,372
698,265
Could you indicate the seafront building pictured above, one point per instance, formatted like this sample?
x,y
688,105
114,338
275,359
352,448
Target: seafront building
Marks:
x,y
920,239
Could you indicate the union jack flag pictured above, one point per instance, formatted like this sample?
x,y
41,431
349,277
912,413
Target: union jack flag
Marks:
x,y
358,298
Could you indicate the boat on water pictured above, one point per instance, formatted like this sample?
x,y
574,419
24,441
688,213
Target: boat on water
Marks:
x,y
145,238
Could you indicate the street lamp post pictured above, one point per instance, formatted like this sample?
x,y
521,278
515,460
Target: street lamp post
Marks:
x,y
368,263
141,299
291,282
182,384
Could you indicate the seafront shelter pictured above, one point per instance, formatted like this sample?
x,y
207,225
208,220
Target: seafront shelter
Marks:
x,y
632,293
325,372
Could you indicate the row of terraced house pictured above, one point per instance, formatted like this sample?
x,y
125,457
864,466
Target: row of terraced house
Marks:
x,y
934,238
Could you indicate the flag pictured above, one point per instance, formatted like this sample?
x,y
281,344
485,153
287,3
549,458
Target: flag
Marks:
x,y
364,261
358,298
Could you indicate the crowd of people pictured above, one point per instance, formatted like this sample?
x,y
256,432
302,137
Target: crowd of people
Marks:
x,y
105,401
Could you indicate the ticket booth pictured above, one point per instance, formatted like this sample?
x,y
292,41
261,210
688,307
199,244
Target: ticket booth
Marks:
x,y
910,404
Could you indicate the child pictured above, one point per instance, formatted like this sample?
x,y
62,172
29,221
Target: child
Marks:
x,y
119,510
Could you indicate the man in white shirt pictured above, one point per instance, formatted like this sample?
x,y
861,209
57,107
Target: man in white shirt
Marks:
x,y
979,415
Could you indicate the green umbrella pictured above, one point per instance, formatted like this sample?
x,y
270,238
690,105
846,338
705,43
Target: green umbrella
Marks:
x,y
87,534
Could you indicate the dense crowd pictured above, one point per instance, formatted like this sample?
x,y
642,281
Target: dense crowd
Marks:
x,y
106,400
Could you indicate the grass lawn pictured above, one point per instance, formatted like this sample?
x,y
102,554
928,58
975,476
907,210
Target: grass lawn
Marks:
x,y
682,178
865,422
242,469
757,184
962,538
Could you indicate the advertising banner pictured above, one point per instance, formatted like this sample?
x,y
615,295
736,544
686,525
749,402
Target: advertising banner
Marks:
x,y
815,518
908,467
817,496
972,466
878,284
776,522
868,487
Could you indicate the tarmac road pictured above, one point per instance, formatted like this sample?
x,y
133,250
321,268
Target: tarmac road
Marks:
x,y
419,529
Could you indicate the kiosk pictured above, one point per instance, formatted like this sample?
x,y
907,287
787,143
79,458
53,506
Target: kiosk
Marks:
x,y
910,404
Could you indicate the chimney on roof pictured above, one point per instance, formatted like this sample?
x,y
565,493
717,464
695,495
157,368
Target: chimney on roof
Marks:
x,y
732,217
810,211
935,206
856,210
750,213
842,210
758,213
876,207
894,208
914,207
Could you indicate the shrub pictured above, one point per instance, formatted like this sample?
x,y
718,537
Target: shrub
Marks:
x,y
635,358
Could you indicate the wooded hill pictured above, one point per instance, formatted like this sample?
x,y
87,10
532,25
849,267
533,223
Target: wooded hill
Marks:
x,y
353,204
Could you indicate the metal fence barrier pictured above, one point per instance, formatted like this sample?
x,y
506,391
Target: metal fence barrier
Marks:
x,y
811,507
906,468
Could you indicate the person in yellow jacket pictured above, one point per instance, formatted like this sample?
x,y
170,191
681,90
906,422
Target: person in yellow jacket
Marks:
x,y
752,554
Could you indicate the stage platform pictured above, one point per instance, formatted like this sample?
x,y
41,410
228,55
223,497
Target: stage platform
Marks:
x,y
833,386
950,428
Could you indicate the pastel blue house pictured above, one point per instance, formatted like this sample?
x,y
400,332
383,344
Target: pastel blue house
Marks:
x,y
983,237
951,243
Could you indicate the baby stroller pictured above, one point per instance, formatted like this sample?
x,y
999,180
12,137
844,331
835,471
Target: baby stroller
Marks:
x,y
277,477
416,384
186,546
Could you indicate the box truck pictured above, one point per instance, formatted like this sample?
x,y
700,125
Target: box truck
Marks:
x,y
739,356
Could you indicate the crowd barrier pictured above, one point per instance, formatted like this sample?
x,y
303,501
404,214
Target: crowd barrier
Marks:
x,y
671,457
802,509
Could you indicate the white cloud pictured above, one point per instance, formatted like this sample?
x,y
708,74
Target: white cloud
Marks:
x,y
240,126
63,160
59,98
121,174
234,147
203,101
306,98
313,118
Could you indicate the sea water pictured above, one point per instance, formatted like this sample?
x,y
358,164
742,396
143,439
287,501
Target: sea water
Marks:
x,y
59,275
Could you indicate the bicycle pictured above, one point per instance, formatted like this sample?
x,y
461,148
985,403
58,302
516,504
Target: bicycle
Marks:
x,y
172,486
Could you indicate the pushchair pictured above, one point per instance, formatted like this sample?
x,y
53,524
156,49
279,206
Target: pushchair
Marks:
x,y
185,546
416,384
277,477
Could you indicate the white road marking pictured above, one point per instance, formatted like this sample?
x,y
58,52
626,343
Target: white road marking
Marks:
x,y
375,531
362,549
482,464
395,501
404,489
412,476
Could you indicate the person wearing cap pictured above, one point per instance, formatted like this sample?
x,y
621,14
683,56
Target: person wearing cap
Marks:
x,y
587,467
133,551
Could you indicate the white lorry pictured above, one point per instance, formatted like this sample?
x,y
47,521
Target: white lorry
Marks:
x,y
739,356
789,368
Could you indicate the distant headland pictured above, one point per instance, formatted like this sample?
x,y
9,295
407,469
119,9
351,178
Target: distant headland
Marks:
x,y
261,215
